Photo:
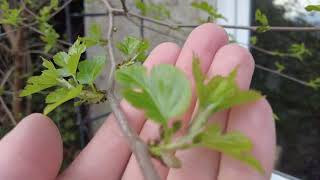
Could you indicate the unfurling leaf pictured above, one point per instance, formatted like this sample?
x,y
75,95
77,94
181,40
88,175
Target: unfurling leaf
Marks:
x,y
163,94
220,92
263,20
233,144
133,49
61,96
89,70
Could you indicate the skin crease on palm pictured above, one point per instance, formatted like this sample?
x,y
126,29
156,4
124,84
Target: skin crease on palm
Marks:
x,y
33,149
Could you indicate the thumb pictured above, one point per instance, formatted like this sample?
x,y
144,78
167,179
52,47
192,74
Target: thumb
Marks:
x,y
32,150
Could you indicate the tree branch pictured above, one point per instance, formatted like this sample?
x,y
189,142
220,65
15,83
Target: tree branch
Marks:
x,y
178,25
138,147
283,75
124,6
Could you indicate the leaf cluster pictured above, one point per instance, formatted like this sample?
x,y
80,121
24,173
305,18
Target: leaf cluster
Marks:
x,y
299,51
69,77
10,16
50,36
262,19
133,50
165,94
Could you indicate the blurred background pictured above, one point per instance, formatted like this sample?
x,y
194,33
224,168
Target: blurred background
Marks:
x,y
287,68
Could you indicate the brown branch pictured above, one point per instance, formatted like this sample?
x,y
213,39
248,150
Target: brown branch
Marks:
x,y
138,147
124,6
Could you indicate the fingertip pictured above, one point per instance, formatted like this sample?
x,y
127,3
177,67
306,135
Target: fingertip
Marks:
x,y
33,148
205,40
233,56
164,53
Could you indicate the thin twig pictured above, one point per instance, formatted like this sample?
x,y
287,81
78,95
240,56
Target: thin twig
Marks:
x,y
54,13
283,75
251,28
6,77
29,26
5,107
137,146
60,8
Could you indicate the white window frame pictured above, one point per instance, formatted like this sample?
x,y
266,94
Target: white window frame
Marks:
x,y
237,12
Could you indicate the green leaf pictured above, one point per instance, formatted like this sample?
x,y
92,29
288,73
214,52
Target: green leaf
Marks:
x,y
69,62
263,20
61,59
60,96
209,9
233,144
89,70
313,8
133,49
156,10
163,94
56,95
48,64
220,92
47,79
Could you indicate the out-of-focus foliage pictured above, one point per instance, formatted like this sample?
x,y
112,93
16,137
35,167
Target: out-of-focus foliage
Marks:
x,y
209,9
156,10
262,19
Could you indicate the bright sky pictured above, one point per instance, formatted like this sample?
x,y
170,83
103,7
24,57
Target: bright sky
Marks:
x,y
295,8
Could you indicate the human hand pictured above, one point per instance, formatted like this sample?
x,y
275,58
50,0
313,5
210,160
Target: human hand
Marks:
x,y
33,149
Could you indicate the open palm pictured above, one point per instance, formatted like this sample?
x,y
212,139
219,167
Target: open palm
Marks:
x,y
33,150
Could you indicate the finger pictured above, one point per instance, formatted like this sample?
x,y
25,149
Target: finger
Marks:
x,y
203,41
255,121
107,153
32,150
201,163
